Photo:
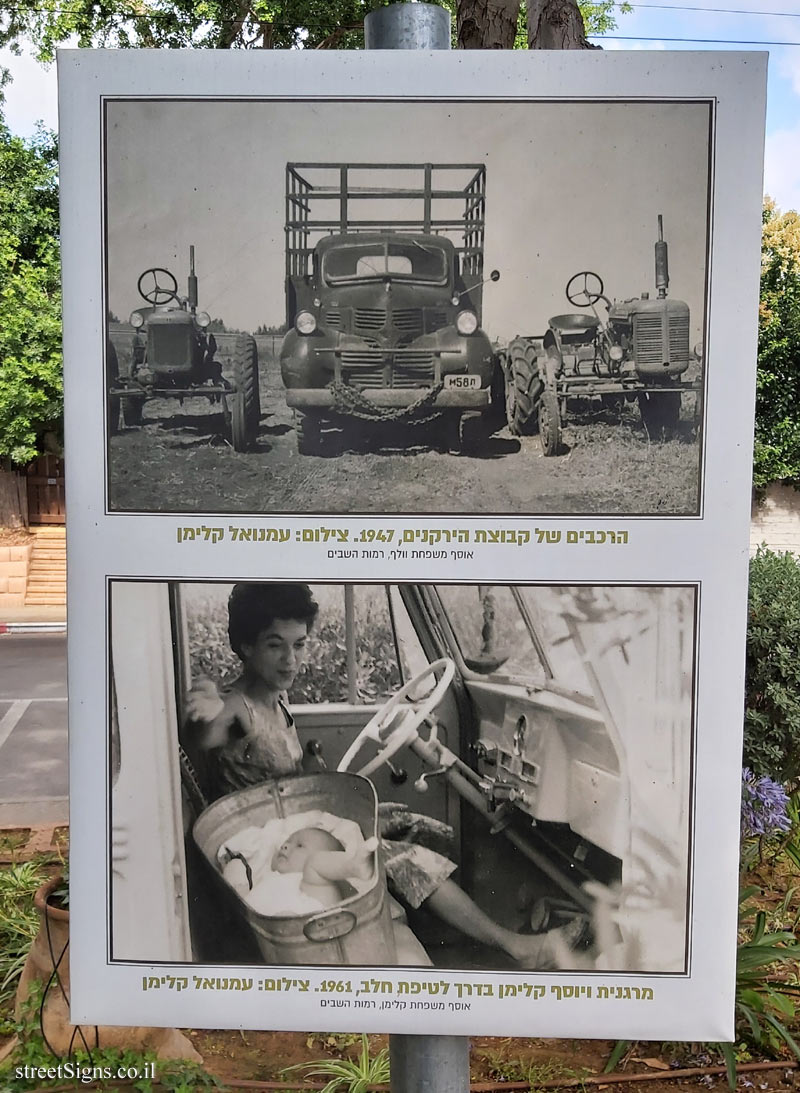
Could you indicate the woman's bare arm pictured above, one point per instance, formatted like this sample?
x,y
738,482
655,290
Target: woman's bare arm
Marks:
x,y
210,714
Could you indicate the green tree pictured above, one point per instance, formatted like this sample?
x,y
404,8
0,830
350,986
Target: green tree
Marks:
x,y
314,24
777,433
31,392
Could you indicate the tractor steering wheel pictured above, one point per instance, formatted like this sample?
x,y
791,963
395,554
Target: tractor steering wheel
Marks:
x,y
157,294
405,731
585,288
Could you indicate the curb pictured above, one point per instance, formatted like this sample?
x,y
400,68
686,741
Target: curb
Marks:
x,y
33,627
33,840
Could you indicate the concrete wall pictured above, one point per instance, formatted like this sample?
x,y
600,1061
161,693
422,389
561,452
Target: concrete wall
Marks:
x,y
14,563
776,521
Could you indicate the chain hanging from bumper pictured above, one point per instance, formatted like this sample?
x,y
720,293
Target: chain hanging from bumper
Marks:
x,y
350,402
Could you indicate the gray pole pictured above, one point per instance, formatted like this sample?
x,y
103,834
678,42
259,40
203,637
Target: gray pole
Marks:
x,y
407,26
419,1064
429,1064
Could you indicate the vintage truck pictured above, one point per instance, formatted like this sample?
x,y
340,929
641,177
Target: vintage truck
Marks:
x,y
384,285
556,744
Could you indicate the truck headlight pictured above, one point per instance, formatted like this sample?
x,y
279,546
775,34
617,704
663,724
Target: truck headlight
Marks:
x,y
466,322
616,352
136,320
305,323
698,351
203,319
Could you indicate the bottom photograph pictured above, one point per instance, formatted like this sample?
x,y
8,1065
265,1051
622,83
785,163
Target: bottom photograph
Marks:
x,y
491,777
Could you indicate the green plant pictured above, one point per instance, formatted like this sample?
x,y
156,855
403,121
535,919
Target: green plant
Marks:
x,y
777,434
19,923
31,391
347,1075
767,985
772,714
516,1069
30,1050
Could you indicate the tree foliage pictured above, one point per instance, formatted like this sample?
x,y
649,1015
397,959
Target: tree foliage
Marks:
x,y
264,24
777,436
30,295
772,715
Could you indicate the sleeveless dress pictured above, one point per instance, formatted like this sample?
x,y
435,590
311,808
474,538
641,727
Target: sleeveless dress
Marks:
x,y
414,847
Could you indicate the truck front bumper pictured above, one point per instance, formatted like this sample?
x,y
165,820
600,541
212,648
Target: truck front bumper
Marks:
x,y
322,398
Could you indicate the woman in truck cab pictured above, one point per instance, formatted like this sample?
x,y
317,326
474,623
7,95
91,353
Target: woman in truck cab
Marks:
x,y
247,736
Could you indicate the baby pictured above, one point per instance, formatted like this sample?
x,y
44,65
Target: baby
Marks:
x,y
323,862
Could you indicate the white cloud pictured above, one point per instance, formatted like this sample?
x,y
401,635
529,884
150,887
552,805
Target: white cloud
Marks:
x,y
31,96
782,167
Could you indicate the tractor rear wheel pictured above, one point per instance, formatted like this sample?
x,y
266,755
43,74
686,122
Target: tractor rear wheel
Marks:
x,y
246,399
112,375
549,422
523,384
660,411
308,428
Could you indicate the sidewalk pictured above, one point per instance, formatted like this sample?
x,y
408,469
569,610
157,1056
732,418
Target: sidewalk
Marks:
x,y
33,619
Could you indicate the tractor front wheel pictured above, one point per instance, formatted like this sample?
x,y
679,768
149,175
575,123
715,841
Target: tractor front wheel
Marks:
x,y
549,422
660,411
246,399
132,410
470,432
112,374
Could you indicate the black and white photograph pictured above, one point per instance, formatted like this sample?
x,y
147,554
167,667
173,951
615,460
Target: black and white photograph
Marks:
x,y
416,307
460,776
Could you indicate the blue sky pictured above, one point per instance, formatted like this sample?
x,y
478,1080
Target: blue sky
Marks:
x,y
32,95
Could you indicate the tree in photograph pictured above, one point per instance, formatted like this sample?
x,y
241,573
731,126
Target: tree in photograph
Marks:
x,y
777,433
30,296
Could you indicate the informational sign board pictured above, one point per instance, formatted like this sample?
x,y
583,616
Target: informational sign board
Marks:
x,y
409,411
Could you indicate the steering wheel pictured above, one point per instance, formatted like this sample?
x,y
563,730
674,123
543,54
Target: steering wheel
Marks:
x,y
405,731
585,288
157,294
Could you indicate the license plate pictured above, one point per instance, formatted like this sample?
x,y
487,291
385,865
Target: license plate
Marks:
x,y
462,383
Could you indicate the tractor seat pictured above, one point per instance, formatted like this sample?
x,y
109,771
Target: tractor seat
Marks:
x,y
575,328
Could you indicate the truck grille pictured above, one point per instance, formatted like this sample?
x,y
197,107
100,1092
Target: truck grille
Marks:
x,y
333,317
649,346
408,320
368,318
169,347
405,368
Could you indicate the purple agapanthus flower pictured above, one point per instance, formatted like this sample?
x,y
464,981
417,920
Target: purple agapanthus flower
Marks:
x,y
763,806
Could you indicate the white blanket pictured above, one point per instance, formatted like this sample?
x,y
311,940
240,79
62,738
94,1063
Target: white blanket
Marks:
x,y
278,894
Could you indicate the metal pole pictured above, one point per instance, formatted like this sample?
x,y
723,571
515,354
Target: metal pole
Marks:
x,y
429,1064
407,26
419,1064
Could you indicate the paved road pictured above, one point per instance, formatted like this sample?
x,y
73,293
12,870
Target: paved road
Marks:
x,y
33,729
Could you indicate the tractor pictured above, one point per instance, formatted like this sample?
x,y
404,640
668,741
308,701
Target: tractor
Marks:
x,y
174,356
640,352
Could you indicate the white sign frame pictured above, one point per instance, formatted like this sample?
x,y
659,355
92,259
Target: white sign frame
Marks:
x,y
708,548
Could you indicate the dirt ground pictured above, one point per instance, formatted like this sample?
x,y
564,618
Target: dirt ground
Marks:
x,y
262,1056
181,461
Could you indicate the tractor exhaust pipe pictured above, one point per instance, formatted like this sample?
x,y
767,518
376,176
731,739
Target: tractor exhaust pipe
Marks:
x,y
193,281
662,262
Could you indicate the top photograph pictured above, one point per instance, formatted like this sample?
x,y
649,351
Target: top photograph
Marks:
x,y
406,307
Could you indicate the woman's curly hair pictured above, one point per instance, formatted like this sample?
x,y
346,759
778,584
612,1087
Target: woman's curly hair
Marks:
x,y
253,607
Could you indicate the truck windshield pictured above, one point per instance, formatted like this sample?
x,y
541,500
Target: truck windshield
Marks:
x,y
406,261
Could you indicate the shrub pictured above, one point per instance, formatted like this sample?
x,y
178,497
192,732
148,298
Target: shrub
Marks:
x,y
772,715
